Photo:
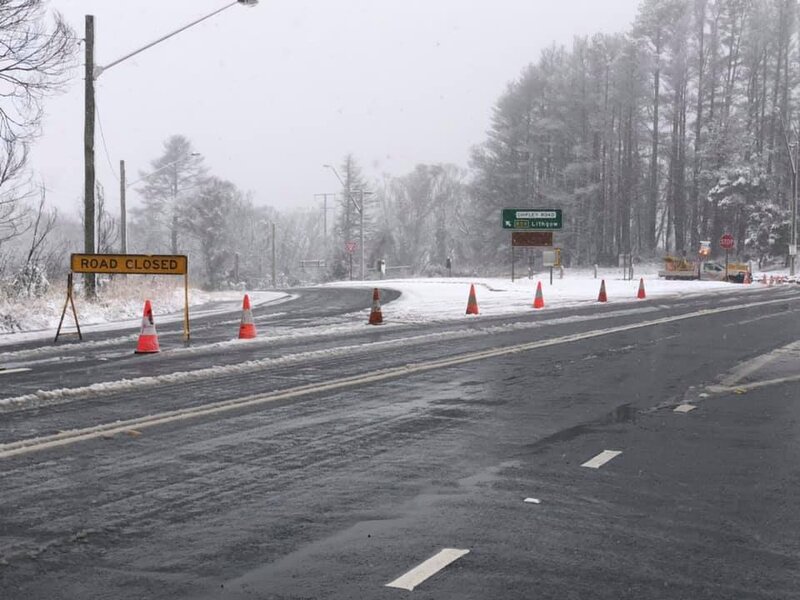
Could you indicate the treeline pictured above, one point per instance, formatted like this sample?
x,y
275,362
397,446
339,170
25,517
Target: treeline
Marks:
x,y
186,209
674,132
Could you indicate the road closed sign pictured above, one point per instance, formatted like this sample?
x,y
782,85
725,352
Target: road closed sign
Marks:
x,y
129,264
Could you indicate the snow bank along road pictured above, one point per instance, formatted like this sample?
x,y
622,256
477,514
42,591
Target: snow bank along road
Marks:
x,y
328,459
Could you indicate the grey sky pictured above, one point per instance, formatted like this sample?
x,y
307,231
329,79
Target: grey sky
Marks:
x,y
268,94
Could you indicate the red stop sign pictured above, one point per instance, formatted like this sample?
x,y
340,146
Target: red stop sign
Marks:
x,y
726,241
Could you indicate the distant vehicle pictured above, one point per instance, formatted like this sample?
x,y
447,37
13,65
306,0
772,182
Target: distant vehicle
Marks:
x,y
681,268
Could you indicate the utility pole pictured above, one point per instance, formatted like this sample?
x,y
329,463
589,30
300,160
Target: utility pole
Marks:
x,y
793,247
123,215
274,278
88,155
792,149
325,213
360,208
361,226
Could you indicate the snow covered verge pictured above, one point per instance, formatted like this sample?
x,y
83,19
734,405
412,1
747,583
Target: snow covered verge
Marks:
x,y
119,304
446,298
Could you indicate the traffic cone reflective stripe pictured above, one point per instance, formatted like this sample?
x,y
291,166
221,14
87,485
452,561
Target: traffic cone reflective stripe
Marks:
x,y
641,295
538,301
375,315
472,302
602,297
148,338
247,328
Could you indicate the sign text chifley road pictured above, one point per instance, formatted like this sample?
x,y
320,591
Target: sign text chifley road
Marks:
x,y
521,219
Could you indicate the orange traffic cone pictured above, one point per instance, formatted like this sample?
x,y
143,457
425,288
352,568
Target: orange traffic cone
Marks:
x,y
472,302
602,296
375,316
247,328
640,294
148,338
538,301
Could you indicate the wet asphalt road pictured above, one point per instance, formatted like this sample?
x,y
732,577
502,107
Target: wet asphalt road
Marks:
x,y
336,491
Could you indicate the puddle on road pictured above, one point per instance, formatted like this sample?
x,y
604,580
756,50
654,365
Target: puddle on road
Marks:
x,y
625,413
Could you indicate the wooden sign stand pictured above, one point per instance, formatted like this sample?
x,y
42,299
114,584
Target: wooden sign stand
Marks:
x,y
69,301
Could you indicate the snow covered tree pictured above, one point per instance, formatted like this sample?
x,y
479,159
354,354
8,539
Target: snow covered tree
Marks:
x,y
178,171
210,216
37,54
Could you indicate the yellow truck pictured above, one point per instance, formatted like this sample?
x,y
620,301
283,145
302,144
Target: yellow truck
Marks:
x,y
682,268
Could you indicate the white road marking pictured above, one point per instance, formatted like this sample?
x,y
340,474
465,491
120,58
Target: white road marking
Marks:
x,y
751,366
9,371
532,501
684,408
601,459
98,431
430,567
745,387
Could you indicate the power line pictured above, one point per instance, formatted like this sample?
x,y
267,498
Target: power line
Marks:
x,y
103,138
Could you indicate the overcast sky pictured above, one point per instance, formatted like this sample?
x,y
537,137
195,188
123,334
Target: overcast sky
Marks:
x,y
270,93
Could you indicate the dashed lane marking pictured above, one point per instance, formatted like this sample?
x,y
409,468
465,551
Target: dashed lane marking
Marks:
x,y
684,408
601,459
10,371
430,567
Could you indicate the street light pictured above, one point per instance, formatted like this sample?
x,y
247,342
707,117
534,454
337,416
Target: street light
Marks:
x,y
123,186
358,207
92,72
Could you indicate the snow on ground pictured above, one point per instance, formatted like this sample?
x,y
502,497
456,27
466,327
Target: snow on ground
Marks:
x,y
119,306
422,300
446,298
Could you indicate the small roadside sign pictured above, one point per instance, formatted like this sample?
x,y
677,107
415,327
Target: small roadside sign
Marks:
x,y
551,258
726,242
532,238
350,247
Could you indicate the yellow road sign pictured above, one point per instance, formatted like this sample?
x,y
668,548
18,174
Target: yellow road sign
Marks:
x,y
130,264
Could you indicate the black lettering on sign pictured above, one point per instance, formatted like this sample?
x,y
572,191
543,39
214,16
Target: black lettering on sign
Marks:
x,y
129,264
84,263
173,264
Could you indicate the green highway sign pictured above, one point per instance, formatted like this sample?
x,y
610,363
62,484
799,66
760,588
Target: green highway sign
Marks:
x,y
532,219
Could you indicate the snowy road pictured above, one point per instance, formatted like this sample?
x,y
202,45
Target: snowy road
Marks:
x,y
329,458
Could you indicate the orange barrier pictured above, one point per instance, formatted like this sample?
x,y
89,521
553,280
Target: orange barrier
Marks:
x,y
148,338
602,297
472,301
538,301
375,315
247,328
